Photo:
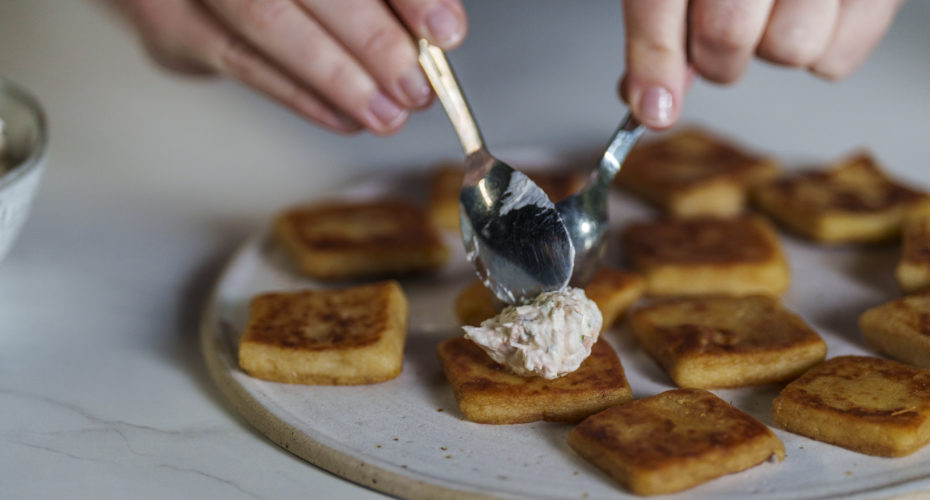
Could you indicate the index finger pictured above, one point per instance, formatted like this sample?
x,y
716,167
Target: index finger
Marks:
x,y
656,60
442,22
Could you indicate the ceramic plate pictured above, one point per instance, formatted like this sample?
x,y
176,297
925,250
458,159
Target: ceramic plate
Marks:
x,y
407,437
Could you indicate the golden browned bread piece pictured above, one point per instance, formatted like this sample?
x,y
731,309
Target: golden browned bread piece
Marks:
x,y
346,240
487,393
326,337
716,342
901,329
447,183
673,441
913,270
613,290
734,256
475,303
870,405
854,201
691,173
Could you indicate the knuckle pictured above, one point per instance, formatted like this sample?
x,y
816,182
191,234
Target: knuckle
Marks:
x,y
235,58
153,22
715,74
297,98
789,54
338,79
645,50
167,46
832,72
727,39
415,11
384,43
262,14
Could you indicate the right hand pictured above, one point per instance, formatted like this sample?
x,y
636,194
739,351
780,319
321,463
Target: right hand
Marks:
x,y
670,41
345,65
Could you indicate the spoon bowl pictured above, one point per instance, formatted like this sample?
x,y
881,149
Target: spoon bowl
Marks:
x,y
513,234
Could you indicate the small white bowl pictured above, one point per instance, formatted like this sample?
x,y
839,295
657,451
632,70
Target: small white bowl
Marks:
x,y
23,158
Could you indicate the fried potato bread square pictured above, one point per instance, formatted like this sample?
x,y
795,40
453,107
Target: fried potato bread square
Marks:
x,y
693,173
913,270
853,201
487,393
717,342
350,240
349,336
901,329
447,184
613,290
870,405
673,441
476,303
701,255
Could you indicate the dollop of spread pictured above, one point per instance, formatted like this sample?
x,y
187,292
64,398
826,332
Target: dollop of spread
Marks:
x,y
548,337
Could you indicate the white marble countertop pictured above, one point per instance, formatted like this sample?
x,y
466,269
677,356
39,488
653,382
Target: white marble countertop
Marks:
x,y
153,180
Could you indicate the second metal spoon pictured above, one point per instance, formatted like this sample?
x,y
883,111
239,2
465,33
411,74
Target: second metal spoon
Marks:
x,y
585,213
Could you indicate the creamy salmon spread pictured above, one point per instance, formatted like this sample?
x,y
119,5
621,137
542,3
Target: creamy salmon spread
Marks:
x,y
548,337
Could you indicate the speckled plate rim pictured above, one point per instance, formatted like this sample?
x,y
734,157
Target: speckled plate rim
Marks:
x,y
290,437
353,468
347,466
293,439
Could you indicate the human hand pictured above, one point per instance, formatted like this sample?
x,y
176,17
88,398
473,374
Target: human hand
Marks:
x,y
669,41
345,65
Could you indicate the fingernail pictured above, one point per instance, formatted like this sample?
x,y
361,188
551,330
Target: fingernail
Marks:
x,y
415,86
656,107
444,26
385,111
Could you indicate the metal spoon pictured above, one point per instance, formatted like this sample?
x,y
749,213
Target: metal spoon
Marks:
x,y
585,213
513,234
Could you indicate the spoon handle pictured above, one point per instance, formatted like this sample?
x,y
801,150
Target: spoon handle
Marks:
x,y
620,145
442,78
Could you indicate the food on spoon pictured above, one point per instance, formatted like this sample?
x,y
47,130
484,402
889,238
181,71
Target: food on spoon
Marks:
x,y
852,201
487,393
351,240
865,404
901,329
673,441
692,173
347,336
732,256
717,342
446,185
913,270
548,337
613,290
